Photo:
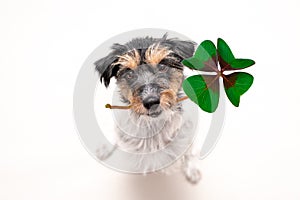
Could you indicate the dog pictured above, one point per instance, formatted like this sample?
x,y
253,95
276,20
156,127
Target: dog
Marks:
x,y
149,76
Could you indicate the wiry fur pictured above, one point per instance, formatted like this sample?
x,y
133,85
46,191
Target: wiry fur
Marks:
x,y
150,68
156,53
131,59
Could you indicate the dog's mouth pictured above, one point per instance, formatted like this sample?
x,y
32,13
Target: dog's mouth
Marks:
x,y
154,114
154,111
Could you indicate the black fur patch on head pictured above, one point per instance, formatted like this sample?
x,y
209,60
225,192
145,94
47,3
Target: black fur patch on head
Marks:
x,y
108,68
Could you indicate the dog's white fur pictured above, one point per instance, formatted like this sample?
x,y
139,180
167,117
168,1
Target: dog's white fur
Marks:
x,y
145,134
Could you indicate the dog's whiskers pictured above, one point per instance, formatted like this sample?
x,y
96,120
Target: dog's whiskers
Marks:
x,y
129,106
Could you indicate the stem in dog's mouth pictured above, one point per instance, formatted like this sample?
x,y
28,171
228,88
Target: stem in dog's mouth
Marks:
x,y
129,106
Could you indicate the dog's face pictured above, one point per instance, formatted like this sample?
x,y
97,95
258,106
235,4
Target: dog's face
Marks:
x,y
149,78
150,86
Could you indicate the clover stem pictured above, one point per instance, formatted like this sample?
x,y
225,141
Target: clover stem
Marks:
x,y
182,99
129,106
117,107
220,74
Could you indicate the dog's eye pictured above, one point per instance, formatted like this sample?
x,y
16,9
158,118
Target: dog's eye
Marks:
x,y
129,75
163,68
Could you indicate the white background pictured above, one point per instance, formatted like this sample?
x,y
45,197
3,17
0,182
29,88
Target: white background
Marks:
x,y
42,47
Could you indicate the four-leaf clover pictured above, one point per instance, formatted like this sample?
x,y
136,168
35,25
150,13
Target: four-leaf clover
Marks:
x,y
204,89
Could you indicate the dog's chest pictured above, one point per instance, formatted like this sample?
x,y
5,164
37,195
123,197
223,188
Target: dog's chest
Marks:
x,y
145,134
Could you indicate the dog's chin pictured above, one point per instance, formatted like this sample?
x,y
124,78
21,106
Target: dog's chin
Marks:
x,y
154,114
154,111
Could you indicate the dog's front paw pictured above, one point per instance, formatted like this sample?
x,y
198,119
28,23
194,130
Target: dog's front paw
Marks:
x,y
104,152
192,174
191,169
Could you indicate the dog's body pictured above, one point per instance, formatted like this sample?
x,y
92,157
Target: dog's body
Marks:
x,y
149,75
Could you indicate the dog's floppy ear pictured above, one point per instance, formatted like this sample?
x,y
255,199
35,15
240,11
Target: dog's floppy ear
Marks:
x,y
106,68
183,48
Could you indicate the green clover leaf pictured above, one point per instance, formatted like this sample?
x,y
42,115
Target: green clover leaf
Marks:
x,y
204,89
236,84
227,60
205,58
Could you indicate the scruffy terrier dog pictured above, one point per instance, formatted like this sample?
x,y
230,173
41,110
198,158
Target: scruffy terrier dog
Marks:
x,y
149,75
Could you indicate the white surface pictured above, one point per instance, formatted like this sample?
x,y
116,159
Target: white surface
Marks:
x,y
42,47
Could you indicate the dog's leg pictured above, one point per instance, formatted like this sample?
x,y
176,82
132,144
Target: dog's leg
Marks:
x,y
104,151
190,168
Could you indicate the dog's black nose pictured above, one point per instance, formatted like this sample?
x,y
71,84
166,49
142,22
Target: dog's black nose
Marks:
x,y
150,102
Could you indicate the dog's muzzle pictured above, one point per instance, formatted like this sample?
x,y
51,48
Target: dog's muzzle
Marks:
x,y
150,95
